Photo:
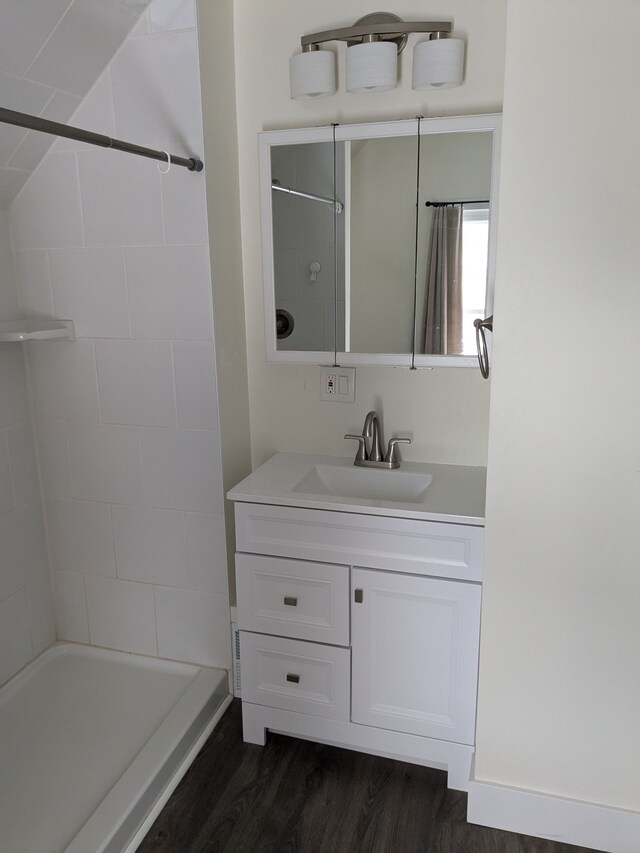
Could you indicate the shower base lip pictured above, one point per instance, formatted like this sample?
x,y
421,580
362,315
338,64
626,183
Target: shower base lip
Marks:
x,y
125,813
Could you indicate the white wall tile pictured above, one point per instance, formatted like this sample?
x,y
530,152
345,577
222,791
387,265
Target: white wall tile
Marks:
x,y
167,15
196,393
63,380
35,145
89,288
121,615
80,537
142,28
136,382
94,113
41,614
35,293
6,485
106,464
54,187
22,95
8,290
24,466
182,469
32,24
206,552
91,31
11,182
164,105
14,402
193,626
15,640
184,201
53,458
72,622
121,199
150,545
170,292
24,552
5,230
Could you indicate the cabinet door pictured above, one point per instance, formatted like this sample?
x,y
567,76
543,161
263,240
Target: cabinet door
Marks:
x,y
415,654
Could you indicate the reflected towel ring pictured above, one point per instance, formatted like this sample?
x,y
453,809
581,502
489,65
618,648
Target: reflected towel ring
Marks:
x,y
168,169
481,344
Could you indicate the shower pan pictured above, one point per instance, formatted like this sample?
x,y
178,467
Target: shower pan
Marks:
x,y
93,742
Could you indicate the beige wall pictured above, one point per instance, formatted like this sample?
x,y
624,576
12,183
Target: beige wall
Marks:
x,y
559,700
446,410
215,28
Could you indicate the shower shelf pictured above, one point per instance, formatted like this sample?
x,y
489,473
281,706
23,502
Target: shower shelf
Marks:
x,y
36,330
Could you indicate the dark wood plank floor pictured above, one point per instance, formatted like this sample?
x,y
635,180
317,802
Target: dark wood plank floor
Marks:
x,y
292,796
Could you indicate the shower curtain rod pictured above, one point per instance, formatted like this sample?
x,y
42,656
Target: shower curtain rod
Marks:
x,y
339,206
449,203
193,164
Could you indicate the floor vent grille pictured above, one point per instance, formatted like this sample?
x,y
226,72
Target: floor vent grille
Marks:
x,y
235,646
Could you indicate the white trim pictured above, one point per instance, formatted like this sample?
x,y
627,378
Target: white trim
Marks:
x,y
346,133
556,818
163,799
454,758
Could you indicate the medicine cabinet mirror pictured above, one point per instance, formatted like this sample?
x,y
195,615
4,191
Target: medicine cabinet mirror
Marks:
x,y
379,240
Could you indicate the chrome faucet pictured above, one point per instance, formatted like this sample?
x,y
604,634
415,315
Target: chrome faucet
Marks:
x,y
370,456
371,429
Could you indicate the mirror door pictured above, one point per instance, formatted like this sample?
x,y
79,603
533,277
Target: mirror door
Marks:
x,y
341,266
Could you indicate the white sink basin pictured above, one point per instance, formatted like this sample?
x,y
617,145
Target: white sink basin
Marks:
x,y
374,484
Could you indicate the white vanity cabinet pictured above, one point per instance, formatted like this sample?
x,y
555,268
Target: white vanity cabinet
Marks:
x,y
361,631
414,653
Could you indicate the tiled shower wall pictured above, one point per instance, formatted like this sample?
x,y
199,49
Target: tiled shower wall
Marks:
x,y
126,416
26,610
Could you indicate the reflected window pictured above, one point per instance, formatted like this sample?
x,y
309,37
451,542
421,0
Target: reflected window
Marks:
x,y
475,245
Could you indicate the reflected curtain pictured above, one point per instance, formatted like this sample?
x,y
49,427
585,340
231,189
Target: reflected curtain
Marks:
x,y
442,327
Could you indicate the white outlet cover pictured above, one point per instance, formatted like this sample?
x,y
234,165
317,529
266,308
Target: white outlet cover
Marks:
x,y
343,381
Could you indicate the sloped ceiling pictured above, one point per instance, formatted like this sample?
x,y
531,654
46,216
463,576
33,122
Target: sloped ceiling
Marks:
x,y
51,54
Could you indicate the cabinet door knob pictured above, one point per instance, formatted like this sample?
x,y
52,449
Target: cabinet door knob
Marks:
x,y
358,596
290,601
295,679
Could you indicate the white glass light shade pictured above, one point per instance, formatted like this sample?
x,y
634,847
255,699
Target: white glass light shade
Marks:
x,y
312,74
438,63
372,66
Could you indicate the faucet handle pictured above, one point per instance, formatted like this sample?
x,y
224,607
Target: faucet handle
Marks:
x,y
361,453
392,453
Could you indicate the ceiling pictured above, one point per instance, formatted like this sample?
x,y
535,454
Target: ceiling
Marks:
x,y
51,54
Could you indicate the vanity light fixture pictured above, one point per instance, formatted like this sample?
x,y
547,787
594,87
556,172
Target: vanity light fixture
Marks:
x,y
373,45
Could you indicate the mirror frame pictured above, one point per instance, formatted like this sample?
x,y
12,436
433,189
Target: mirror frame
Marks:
x,y
353,132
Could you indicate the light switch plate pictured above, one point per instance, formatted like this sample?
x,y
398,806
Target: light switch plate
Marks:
x,y
338,384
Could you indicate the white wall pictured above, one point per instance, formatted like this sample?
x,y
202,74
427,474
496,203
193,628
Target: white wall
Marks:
x,y
559,699
217,70
127,416
447,410
26,607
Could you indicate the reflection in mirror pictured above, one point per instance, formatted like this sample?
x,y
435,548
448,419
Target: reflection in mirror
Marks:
x,y
453,240
303,246
382,233
378,267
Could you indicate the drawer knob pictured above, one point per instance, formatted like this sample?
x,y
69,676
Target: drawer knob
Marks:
x,y
290,601
294,679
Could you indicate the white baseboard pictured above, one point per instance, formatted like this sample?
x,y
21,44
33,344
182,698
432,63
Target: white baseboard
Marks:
x,y
556,818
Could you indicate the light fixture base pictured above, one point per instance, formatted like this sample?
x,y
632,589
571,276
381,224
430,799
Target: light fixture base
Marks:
x,y
381,18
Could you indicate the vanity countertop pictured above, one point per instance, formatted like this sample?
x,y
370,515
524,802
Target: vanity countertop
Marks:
x,y
456,493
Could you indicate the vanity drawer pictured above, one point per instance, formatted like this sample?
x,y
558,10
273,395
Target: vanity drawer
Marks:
x,y
293,598
379,542
295,676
